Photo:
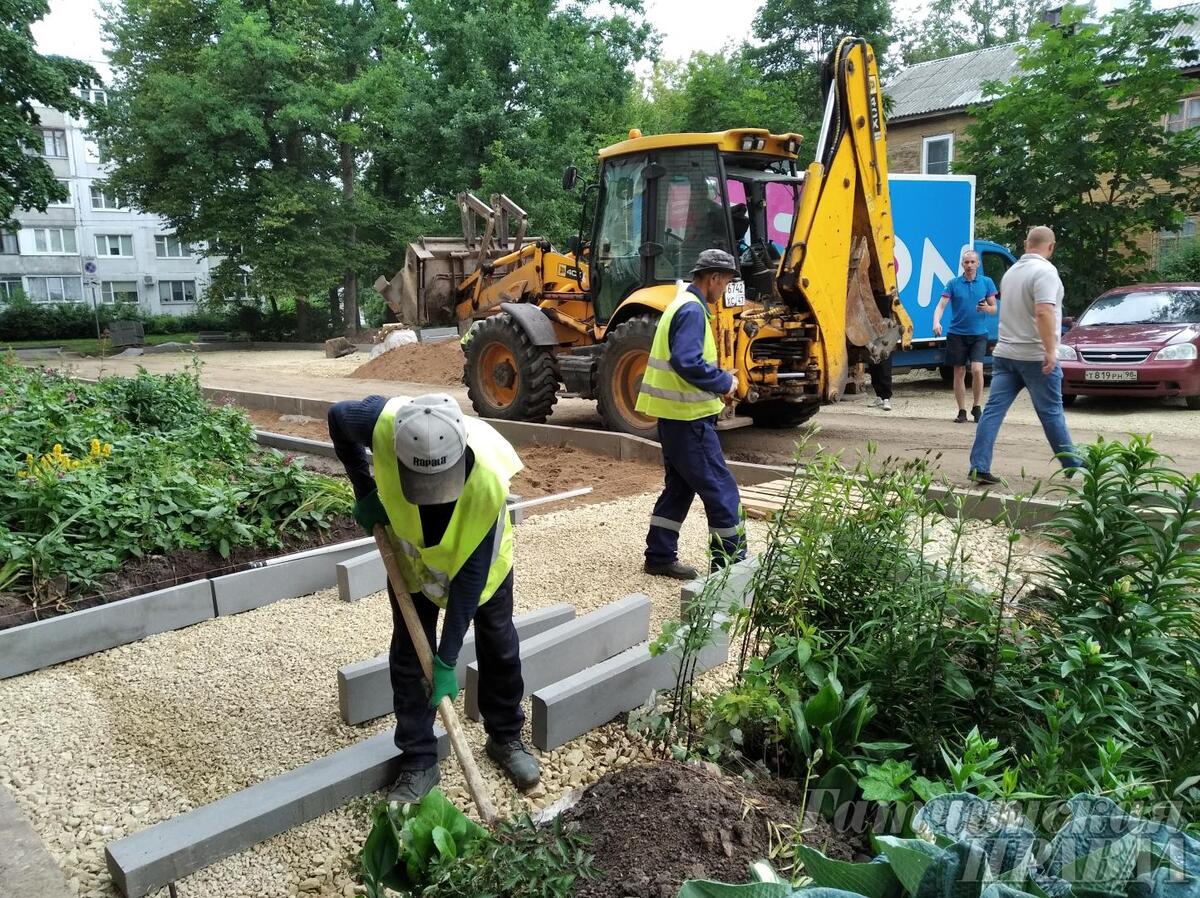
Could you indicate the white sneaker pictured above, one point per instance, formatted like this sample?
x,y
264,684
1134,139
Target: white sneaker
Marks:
x,y
887,405
878,403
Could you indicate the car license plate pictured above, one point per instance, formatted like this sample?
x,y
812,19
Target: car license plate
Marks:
x,y
1109,375
735,294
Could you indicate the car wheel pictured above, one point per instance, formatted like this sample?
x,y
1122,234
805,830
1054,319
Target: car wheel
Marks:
x,y
1192,402
1069,398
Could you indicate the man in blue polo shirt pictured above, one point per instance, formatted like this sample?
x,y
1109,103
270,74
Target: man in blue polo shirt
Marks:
x,y
971,296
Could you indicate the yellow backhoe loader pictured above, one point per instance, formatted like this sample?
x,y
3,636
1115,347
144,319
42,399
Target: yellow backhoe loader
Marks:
x,y
541,323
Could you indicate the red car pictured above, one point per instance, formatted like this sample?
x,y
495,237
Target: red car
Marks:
x,y
1142,340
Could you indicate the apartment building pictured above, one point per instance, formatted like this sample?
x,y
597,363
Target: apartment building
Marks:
x,y
93,247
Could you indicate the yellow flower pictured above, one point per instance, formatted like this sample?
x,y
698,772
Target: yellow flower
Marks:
x,y
107,449
95,447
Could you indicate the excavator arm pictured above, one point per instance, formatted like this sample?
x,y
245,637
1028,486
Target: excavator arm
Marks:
x,y
839,263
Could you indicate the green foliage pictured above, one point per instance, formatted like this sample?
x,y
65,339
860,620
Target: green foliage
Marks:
x,y
431,848
309,142
26,78
1116,635
947,27
1183,264
518,860
407,840
1077,142
96,474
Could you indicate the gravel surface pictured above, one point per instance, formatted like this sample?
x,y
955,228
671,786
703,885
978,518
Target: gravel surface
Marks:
x,y
102,747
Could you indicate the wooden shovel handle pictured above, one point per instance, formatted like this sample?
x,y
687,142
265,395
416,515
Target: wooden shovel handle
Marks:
x,y
458,739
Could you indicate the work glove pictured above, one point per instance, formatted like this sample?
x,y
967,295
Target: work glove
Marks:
x,y
369,511
445,682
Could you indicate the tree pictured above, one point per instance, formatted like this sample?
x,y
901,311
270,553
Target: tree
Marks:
x,y
714,92
310,141
1077,141
949,27
28,78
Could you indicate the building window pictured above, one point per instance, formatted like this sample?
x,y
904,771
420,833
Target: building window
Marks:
x,y
102,198
177,291
95,96
8,243
55,289
66,186
114,245
1186,115
119,291
936,154
54,143
10,288
95,150
54,241
168,246
1170,242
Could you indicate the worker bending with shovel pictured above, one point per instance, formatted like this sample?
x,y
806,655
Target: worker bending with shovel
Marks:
x,y
440,484
686,391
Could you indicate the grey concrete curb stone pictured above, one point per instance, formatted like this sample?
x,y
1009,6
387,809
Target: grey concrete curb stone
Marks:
x,y
26,869
597,694
735,588
170,850
570,647
245,590
365,687
40,644
360,577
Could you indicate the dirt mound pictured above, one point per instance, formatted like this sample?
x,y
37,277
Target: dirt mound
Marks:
x,y
654,826
440,364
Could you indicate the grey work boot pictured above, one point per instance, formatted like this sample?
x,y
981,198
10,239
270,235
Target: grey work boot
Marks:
x,y
413,785
674,569
516,760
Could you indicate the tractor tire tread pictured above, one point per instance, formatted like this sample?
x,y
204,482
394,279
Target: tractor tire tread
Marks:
x,y
538,371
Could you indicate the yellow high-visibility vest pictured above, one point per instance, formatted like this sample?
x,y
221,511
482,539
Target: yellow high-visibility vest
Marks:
x,y
429,569
664,394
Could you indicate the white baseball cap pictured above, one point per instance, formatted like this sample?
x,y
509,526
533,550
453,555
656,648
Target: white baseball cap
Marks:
x,y
431,446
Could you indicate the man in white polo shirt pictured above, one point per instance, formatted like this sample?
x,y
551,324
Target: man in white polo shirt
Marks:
x,y
1026,356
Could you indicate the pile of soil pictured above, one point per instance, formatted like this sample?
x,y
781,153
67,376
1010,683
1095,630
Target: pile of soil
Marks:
x,y
142,575
439,363
652,827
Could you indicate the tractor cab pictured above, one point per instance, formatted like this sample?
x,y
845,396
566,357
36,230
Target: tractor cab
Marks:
x,y
662,200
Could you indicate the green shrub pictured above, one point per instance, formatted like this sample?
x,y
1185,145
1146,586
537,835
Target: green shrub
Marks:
x,y
1183,264
95,474
1114,699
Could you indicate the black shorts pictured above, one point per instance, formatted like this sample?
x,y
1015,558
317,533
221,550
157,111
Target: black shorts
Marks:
x,y
964,348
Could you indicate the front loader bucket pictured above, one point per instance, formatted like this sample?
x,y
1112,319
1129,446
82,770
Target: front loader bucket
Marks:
x,y
424,291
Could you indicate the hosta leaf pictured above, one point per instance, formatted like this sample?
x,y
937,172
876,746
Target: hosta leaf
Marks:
x,y
874,880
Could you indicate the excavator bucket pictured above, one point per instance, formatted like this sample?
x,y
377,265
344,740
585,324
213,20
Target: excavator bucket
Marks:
x,y
866,326
425,290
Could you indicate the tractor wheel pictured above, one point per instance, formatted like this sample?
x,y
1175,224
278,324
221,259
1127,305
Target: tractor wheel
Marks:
x,y
507,376
622,364
779,414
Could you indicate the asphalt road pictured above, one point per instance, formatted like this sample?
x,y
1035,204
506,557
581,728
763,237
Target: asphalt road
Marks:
x,y
919,425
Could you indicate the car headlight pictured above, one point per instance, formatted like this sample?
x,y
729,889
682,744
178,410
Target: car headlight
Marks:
x,y
1065,353
1176,352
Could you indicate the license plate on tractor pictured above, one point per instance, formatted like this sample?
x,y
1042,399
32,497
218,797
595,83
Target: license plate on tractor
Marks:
x,y
1109,375
735,294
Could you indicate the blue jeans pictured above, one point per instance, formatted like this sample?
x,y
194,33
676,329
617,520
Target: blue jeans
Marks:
x,y
1009,377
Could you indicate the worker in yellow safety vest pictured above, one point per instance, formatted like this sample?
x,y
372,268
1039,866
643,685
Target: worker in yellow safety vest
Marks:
x,y
686,391
440,484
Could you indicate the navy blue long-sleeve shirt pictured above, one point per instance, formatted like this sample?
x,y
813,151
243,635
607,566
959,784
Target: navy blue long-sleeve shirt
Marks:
x,y
351,427
686,338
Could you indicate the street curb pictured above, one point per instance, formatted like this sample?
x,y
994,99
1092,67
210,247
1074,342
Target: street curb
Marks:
x,y
170,850
26,868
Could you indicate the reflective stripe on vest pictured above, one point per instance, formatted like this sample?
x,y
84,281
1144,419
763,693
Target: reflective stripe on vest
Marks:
x,y
664,394
430,569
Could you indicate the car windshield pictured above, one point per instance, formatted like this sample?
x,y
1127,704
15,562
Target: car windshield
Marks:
x,y
1164,306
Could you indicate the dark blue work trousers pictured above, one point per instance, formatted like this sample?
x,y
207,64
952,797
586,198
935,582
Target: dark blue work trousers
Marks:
x,y
500,685
695,466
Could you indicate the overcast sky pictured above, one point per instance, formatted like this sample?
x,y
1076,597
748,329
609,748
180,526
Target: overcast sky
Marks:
x,y
72,27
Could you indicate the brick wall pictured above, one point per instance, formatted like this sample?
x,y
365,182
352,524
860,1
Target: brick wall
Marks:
x,y
905,140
